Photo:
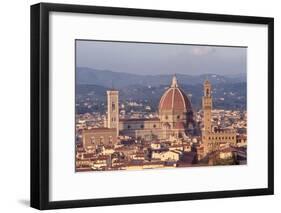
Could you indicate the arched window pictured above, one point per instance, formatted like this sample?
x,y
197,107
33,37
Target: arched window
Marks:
x,y
93,139
110,140
101,140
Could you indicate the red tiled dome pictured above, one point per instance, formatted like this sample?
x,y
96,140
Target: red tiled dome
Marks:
x,y
174,98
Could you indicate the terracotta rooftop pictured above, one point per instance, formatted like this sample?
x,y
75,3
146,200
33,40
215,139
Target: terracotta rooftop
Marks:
x,y
179,125
102,129
139,119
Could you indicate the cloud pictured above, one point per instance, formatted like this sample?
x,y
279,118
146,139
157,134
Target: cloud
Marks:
x,y
200,50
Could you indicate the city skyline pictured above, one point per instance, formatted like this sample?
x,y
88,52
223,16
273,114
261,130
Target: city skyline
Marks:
x,y
141,106
131,136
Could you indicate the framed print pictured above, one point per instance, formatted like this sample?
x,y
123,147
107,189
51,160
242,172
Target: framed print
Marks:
x,y
136,106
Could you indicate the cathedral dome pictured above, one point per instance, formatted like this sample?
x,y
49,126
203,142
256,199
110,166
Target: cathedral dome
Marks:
x,y
174,98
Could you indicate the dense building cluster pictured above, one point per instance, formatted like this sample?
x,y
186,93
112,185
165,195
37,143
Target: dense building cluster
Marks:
x,y
174,136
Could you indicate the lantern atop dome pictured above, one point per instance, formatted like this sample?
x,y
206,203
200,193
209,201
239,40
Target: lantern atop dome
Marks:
x,y
174,81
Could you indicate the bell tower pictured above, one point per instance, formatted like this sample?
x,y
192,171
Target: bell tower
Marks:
x,y
207,106
113,110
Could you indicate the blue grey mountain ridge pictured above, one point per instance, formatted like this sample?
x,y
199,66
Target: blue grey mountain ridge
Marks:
x,y
108,78
230,92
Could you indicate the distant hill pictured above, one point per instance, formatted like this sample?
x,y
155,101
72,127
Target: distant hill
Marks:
x,y
107,78
234,95
229,92
82,89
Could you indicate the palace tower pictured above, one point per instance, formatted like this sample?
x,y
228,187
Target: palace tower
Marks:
x,y
207,106
213,137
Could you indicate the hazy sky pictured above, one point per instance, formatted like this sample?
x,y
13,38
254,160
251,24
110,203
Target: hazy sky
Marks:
x,y
144,58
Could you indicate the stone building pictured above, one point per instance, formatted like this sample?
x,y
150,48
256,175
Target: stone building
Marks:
x,y
92,138
212,137
113,110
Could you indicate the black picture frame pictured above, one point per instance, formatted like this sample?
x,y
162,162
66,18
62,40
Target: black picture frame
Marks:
x,y
40,104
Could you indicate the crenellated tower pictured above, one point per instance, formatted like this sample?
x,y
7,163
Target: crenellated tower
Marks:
x,y
207,107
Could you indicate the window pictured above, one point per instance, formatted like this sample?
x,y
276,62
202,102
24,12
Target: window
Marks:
x,y
93,139
166,117
154,126
178,117
110,140
207,92
142,126
113,106
101,140
129,127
